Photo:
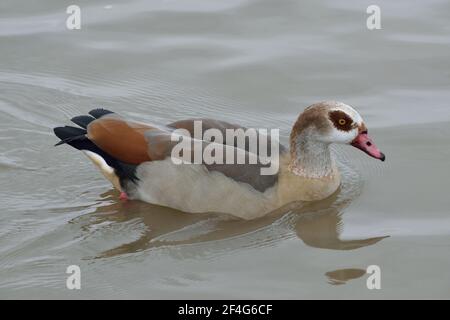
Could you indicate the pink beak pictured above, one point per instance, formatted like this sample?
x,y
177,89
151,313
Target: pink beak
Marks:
x,y
364,143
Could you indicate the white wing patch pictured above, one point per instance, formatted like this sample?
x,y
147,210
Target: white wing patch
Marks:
x,y
106,170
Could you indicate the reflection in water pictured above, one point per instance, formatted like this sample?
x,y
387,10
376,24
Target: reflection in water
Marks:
x,y
341,276
322,230
317,224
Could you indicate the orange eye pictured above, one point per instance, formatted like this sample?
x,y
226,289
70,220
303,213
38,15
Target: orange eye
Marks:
x,y
342,122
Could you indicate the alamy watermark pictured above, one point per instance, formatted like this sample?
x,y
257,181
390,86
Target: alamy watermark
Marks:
x,y
374,280
229,146
373,22
73,21
73,281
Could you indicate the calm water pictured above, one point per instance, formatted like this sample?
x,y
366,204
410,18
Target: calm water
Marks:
x,y
258,63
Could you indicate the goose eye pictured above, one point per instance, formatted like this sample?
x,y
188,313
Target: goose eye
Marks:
x,y
341,120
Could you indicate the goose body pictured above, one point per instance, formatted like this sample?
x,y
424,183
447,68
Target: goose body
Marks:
x,y
138,159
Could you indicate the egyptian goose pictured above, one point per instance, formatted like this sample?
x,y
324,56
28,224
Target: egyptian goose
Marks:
x,y
137,159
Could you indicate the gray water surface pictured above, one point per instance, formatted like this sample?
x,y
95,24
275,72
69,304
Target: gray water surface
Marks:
x,y
259,63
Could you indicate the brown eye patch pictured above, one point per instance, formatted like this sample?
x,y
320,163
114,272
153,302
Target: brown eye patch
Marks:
x,y
341,120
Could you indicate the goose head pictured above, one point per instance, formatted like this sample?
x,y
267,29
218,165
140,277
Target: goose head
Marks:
x,y
322,124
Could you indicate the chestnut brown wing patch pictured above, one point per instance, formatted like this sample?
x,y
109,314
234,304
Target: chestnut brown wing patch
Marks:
x,y
121,139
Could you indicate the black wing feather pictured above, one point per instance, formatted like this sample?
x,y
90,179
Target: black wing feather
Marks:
x,y
76,137
98,113
82,121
